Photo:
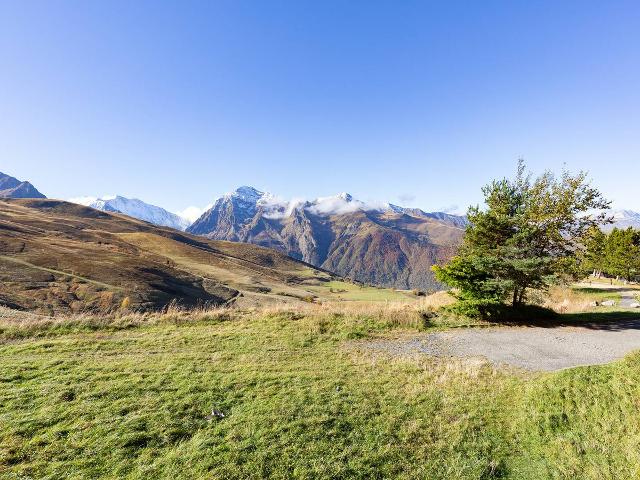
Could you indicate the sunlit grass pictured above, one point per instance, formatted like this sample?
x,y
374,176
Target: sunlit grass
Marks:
x,y
339,290
302,398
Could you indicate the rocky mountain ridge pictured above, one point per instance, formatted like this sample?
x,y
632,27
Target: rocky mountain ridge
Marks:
x,y
379,244
11,187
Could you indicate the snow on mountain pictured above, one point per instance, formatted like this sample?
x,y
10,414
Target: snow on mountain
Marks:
x,y
247,200
137,209
332,233
624,219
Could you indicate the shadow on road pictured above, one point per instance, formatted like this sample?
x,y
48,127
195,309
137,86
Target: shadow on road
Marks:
x,y
606,321
604,290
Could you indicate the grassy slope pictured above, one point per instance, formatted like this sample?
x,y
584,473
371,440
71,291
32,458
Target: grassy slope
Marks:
x,y
353,292
302,401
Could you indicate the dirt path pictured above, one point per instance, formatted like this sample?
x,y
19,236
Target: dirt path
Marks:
x,y
531,348
57,272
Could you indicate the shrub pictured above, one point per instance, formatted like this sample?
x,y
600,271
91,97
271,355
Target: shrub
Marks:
x,y
126,303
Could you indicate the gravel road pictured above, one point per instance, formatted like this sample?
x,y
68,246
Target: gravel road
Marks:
x,y
531,348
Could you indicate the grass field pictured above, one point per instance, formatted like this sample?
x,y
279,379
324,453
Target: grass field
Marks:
x,y
339,290
301,399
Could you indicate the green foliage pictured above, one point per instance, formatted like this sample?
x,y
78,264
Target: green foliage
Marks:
x,y
526,238
593,258
622,253
616,254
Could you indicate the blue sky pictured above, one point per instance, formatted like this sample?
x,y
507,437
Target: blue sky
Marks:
x,y
418,103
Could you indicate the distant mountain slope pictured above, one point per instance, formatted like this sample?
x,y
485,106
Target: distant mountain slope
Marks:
x,y
11,187
137,209
383,245
57,256
624,219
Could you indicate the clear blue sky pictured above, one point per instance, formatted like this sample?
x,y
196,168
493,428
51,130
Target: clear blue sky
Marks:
x,y
418,103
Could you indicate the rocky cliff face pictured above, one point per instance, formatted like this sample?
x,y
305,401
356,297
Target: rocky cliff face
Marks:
x,y
387,245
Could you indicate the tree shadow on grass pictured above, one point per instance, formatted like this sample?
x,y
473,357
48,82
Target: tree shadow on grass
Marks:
x,y
602,291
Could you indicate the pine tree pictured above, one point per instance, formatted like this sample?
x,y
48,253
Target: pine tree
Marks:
x,y
594,256
526,238
622,253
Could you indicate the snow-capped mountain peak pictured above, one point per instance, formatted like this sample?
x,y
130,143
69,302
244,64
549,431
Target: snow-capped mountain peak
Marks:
x,y
624,219
625,215
247,194
135,208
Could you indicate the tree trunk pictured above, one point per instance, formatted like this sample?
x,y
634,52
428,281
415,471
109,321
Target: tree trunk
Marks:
x,y
515,297
521,296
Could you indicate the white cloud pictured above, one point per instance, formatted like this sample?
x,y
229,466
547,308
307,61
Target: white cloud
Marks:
x,y
193,213
341,204
406,198
83,200
336,205
452,210
276,208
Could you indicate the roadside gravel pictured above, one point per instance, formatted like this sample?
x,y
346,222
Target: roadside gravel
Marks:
x,y
530,348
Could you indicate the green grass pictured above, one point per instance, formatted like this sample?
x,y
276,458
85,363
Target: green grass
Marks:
x,y
352,292
302,400
596,294
612,281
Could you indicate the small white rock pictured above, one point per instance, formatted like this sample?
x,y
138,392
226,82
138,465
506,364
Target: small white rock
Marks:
x,y
635,305
609,303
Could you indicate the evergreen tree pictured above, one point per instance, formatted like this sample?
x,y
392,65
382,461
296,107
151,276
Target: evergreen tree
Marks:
x,y
594,256
622,253
526,238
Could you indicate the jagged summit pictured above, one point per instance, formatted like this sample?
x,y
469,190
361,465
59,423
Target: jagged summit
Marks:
x,y
379,246
247,193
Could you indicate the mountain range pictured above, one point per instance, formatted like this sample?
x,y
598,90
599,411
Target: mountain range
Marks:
x,y
11,187
380,244
57,256
624,219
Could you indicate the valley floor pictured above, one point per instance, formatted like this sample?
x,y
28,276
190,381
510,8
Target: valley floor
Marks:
x,y
302,397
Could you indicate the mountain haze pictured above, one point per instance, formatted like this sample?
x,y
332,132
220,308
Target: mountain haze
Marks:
x,y
378,244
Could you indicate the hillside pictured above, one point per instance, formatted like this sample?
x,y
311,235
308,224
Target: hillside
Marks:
x,y
385,245
11,187
58,257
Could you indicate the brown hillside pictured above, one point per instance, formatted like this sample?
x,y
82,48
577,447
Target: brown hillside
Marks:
x,y
58,256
